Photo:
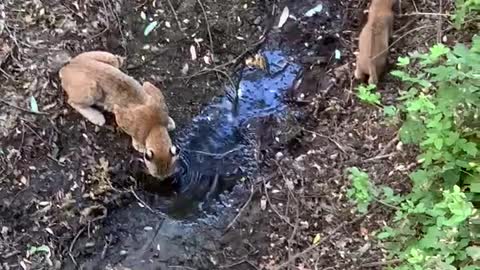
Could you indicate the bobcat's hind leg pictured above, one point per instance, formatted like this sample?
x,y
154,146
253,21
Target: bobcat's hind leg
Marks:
x,y
358,73
373,76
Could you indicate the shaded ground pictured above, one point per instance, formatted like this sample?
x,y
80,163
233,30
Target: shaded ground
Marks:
x,y
68,185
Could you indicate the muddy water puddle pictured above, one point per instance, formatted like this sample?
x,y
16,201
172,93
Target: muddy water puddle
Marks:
x,y
216,149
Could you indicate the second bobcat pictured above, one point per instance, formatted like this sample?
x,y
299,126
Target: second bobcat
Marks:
x,y
374,41
94,78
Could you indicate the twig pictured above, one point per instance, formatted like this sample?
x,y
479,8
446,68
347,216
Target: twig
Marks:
x,y
374,264
6,74
382,154
400,38
20,108
439,23
72,245
219,155
271,204
141,201
297,220
294,232
99,34
387,204
423,14
24,123
327,137
234,61
105,247
379,157
252,192
314,246
390,144
119,24
233,264
208,28
216,70
11,254
181,267
405,26
415,5
176,17
253,47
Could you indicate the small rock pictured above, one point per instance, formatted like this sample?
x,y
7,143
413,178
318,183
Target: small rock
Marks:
x,y
304,225
263,203
399,146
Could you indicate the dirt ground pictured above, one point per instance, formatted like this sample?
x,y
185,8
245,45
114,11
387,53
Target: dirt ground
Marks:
x,y
67,187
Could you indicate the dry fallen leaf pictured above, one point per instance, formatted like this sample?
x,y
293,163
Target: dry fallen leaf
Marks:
x,y
257,61
284,17
263,203
193,52
185,69
207,60
316,240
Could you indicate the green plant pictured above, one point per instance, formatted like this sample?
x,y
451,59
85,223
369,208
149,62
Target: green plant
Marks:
x,y
465,8
436,226
368,95
362,191
391,115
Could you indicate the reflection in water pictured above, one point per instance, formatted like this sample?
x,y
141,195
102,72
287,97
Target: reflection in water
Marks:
x,y
214,149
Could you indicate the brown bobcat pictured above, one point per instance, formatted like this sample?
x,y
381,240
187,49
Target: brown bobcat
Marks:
x,y
373,41
94,78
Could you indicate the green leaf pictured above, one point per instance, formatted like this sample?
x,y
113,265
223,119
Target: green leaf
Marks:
x,y
33,105
436,51
451,177
41,249
412,131
403,61
475,187
387,233
470,148
150,28
473,252
367,95
390,111
420,179
384,235
452,138
431,238
401,75
438,142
